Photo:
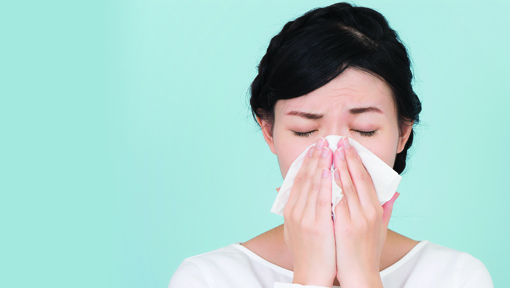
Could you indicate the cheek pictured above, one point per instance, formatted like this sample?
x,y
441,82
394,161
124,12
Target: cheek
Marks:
x,y
388,156
287,153
288,148
385,150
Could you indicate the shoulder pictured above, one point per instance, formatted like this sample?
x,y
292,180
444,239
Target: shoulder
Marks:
x,y
198,271
458,268
229,266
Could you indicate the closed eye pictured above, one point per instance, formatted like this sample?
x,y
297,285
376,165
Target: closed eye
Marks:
x,y
303,134
365,133
362,133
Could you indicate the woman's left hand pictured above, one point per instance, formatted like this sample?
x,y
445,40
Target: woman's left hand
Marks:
x,y
361,222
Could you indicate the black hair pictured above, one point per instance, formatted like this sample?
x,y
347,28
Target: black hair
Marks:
x,y
316,47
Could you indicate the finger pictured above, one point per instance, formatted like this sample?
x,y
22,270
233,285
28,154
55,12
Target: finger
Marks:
x,y
323,200
294,192
342,213
345,182
317,183
388,209
299,179
278,189
306,178
360,177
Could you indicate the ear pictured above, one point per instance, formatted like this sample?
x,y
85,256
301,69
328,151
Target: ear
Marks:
x,y
267,131
406,132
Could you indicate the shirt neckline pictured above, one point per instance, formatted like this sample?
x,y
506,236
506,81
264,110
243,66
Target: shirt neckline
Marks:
x,y
289,273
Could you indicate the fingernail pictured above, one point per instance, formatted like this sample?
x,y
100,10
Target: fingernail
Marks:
x,y
320,143
310,151
325,173
346,142
337,175
341,153
324,152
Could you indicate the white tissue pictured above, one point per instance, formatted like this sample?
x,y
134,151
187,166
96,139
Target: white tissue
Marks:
x,y
385,179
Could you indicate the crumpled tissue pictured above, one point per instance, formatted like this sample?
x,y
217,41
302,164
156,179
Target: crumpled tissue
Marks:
x,y
385,179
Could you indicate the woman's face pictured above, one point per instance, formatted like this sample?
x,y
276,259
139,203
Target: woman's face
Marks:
x,y
336,108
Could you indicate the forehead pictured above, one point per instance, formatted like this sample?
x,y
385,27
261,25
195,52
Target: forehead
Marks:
x,y
352,88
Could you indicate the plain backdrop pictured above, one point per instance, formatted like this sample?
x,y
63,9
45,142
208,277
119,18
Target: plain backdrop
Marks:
x,y
127,142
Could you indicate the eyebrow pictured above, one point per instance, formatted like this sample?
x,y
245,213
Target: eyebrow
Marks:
x,y
306,115
354,111
365,109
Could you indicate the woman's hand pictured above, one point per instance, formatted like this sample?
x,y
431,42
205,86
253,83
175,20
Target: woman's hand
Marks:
x,y
361,222
308,228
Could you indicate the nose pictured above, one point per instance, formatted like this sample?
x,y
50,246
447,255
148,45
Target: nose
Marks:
x,y
339,128
333,139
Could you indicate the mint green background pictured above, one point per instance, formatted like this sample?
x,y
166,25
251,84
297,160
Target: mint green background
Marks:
x,y
127,144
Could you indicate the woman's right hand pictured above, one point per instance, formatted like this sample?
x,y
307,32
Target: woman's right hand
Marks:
x,y
308,226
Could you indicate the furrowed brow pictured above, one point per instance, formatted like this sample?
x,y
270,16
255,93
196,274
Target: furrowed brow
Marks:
x,y
365,110
311,116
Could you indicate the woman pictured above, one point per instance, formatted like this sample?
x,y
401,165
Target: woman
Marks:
x,y
338,70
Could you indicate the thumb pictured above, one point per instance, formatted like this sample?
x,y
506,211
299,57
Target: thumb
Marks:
x,y
388,208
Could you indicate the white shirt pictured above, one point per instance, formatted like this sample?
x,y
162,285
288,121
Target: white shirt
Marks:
x,y
426,265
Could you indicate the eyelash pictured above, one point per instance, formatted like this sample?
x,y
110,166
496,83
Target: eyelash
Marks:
x,y
362,133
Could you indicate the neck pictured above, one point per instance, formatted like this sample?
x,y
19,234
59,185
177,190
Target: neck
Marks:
x,y
395,247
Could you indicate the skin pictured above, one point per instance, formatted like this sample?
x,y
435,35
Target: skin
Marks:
x,y
353,249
